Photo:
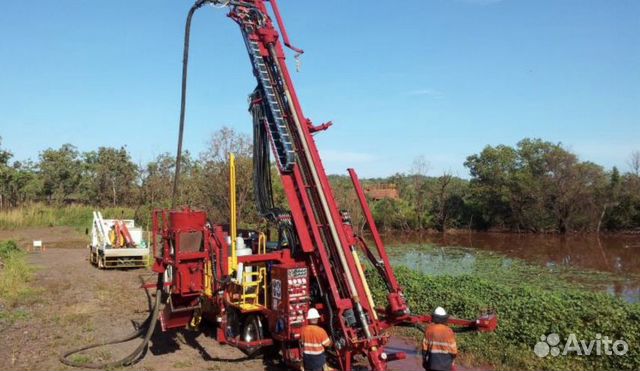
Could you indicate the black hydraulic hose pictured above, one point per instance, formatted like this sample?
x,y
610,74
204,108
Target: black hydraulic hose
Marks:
x,y
183,98
261,158
149,324
262,184
147,329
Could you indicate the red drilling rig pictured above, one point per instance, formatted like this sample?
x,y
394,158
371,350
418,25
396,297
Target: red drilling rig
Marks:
x,y
255,288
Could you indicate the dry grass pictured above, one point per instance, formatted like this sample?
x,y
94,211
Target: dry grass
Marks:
x,y
39,215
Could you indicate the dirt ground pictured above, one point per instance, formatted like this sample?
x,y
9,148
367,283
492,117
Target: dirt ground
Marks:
x,y
77,304
51,237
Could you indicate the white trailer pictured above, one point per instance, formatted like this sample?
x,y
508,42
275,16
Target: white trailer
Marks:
x,y
117,244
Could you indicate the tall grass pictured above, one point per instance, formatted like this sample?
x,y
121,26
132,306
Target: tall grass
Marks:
x,y
15,277
39,215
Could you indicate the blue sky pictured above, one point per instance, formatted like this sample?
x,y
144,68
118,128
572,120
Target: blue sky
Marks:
x,y
438,78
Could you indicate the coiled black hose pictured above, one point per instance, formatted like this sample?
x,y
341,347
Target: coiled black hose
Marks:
x,y
146,328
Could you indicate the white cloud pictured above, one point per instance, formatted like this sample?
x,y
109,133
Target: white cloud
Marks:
x,y
426,92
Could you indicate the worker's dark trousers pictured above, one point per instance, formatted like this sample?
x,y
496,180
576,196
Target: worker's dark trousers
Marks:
x,y
437,362
313,362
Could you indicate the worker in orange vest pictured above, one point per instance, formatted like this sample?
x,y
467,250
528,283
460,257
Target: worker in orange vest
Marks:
x,y
439,347
314,340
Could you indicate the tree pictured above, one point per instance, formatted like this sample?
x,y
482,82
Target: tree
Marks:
x,y
392,214
348,200
19,182
61,172
22,184
634,163
157,180
528,185
5,156
612,199
492,173
419,171
442,201
214,176
537,186
623,211
115,176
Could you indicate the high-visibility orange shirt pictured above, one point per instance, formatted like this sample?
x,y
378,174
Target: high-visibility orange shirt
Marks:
x,y
314,339
439,338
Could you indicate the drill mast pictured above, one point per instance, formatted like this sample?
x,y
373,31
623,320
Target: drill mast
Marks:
x,y
324,236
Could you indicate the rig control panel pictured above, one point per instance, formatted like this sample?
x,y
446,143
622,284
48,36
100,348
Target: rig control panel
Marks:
x,y
289,297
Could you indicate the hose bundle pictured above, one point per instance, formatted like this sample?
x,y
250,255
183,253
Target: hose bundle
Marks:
x,y
262,183
145,329
261,159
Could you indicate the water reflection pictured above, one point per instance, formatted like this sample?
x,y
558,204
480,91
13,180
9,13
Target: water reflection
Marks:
x,y
613,254
436,263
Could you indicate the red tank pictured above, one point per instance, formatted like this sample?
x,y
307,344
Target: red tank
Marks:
x,y
187,220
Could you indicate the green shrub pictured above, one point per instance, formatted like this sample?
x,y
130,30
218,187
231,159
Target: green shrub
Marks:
x,y
15,277
7,248
525,313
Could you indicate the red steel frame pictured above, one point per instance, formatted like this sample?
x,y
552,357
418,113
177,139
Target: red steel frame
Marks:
x,y
300,196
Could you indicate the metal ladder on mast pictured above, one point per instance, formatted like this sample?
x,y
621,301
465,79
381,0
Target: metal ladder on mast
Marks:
x,y
278,130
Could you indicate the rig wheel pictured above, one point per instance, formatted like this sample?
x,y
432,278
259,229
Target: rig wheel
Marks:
x,y
252,330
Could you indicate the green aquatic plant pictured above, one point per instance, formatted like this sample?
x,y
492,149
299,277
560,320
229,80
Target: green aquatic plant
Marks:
x,y
526,311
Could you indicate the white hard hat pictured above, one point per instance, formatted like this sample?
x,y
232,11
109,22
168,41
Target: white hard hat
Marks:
x,y
440,311
313,314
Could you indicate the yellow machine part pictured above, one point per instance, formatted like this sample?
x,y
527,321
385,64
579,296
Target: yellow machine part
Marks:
x,y
366,284
112,237
252,284
195,320
262,243
208,279
116,237
255,283
233,264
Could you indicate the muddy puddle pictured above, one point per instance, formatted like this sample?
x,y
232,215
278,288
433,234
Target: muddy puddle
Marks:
x,y
413,360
